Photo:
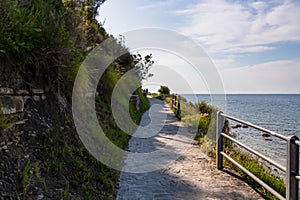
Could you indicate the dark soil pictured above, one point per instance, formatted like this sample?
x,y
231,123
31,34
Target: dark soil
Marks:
x,y
42,157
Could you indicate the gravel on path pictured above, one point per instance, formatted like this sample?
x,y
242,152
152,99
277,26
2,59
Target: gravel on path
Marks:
x,y
192,175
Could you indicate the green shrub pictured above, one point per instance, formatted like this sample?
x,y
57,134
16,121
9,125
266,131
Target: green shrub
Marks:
x,y
168,100
23,30
4,121
204,107
164,90
203,124
144,106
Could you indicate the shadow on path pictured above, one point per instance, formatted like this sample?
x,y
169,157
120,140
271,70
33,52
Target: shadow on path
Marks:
x,y
190,175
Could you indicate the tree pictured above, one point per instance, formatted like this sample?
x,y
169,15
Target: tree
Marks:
x,y
143,65
92,8
164,90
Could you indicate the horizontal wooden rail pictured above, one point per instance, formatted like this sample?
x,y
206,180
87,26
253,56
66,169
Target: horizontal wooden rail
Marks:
x,y
292,156
282,168
253,176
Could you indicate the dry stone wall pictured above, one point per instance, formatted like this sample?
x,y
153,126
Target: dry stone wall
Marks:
x,y
12,101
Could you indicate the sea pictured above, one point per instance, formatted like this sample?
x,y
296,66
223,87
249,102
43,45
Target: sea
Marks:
x,y
276,112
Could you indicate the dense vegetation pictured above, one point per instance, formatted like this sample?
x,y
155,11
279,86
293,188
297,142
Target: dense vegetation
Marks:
x,y
42,45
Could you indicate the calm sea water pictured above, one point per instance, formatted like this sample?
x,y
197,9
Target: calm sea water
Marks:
x,y
276,112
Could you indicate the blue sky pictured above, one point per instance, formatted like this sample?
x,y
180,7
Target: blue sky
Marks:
x,y
255,45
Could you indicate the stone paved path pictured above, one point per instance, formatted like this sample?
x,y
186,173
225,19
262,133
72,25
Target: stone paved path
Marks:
x,y
190,175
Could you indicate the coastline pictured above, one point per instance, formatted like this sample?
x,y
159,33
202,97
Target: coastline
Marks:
x,y
276,112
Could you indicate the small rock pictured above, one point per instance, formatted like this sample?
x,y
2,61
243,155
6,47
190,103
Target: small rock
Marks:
x,y
19,133
201,156
266,135
45,124
4,91
88,49
36,98
40,196
43,97
26,156
4,147
18,102
236,126
17,140
22,92
21,122
37,91
48,130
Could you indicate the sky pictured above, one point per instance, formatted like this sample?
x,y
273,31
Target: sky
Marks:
x,y
254,45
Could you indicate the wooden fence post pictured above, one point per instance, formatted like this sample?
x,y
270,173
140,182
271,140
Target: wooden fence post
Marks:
x,y
292,168
219,140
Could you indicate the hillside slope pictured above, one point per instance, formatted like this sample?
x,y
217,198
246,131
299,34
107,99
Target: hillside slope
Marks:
x,y
42,45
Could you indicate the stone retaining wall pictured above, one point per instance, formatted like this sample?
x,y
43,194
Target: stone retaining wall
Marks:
x,y
13,100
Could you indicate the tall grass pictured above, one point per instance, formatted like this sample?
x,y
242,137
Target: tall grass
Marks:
x,y
5,120
256,167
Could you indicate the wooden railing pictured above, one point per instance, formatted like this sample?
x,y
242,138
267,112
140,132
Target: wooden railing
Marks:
x,y
292,156
176,105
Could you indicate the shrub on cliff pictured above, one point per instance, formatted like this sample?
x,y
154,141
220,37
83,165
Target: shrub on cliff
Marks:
x,y
44,41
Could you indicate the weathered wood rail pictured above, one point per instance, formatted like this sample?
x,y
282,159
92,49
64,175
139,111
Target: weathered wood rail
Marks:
x,y
176,105
135,101
292,156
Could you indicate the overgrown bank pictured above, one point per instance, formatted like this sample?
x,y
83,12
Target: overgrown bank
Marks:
x,y
43,44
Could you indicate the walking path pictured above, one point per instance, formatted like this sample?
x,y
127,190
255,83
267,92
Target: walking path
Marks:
x,y
190,175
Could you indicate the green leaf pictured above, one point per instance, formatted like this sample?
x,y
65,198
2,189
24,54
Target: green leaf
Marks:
x,y
37,30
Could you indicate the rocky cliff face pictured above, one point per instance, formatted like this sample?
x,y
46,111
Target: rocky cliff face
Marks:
x,y
41,155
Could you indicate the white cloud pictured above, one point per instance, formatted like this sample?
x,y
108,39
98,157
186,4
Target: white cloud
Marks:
x,y
272,77
249,49
237,27
224,62
157,4
258,5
